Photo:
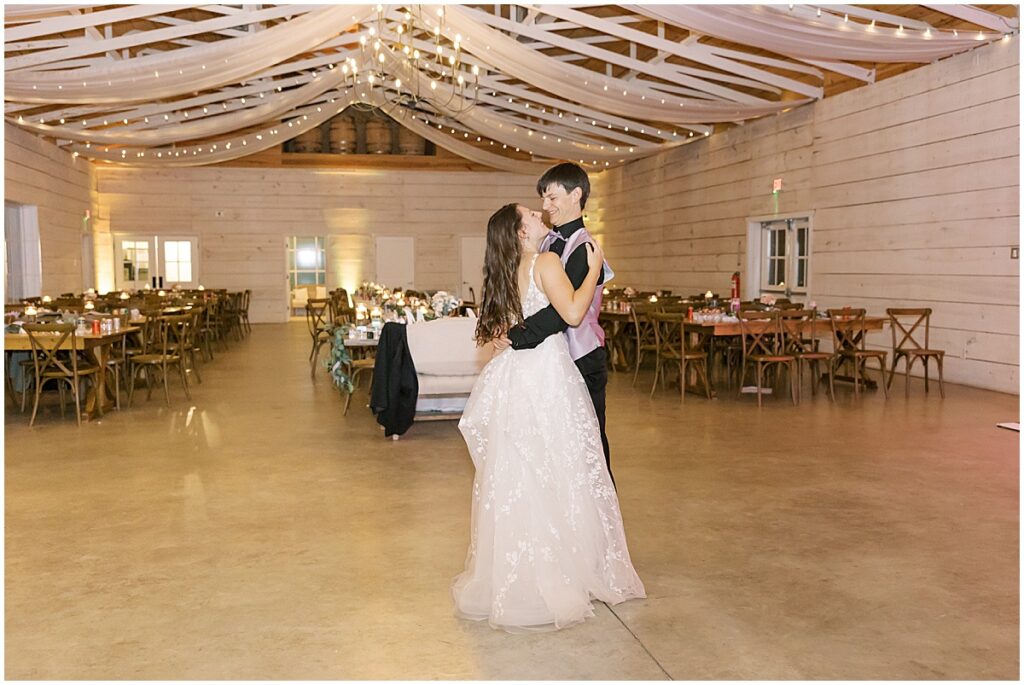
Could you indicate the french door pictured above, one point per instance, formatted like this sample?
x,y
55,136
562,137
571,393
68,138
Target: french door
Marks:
x,y
159,261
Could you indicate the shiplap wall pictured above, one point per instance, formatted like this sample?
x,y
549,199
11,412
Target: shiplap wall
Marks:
x,y
61,187
243,217
913,184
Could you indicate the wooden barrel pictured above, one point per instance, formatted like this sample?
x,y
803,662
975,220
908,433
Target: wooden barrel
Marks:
x,y
378,137
310,141
410,143
343,135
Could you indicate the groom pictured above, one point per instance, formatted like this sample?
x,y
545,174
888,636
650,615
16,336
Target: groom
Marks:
x,y
564,189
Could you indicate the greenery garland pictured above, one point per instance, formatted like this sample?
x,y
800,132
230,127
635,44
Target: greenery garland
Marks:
x,y
340,360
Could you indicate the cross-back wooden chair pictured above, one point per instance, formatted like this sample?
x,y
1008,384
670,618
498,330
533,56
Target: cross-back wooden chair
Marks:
x,y
318,321
50,363
183,341
849,342
764,348
675,347
208,331
905,324
243,311
341,311
160,353
117,364
800,329
643,331
230,316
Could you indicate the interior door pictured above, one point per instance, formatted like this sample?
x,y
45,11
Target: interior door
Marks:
x,y
471,257
396,261
178,260
135,261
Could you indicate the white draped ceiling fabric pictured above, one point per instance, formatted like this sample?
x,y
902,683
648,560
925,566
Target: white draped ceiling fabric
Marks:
x,y
186,85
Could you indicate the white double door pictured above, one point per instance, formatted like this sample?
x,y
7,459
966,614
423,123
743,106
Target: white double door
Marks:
x,y
161,261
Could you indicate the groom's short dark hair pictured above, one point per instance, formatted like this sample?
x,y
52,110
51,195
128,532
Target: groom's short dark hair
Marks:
x,y
568,175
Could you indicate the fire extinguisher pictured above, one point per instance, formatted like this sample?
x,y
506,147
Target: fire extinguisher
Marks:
x,y
736,284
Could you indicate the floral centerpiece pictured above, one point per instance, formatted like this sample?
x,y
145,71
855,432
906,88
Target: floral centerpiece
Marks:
x,y
768,299
444,304
373,292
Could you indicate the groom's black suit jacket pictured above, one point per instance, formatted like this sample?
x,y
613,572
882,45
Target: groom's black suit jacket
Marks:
x,y
536,328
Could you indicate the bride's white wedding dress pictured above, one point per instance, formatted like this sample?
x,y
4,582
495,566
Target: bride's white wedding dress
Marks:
x,y
547,534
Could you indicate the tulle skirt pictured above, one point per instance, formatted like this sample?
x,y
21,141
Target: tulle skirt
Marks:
x,y
546,532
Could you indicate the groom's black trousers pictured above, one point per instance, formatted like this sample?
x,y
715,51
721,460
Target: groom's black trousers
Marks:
x,y
597,380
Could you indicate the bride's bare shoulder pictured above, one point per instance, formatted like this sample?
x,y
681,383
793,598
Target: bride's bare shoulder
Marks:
x,y
547,260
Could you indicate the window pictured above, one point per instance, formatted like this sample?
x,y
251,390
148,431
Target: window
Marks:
x,y
306,261
785,256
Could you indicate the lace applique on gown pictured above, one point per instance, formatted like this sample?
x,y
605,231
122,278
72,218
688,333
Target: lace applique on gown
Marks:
x,y
547,534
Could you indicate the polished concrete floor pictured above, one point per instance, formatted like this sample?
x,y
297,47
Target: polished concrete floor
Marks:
x,y
257,533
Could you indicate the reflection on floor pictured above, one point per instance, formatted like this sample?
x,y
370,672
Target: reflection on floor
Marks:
x,y
257,533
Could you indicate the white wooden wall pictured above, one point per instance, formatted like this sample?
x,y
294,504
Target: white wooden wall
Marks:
x,y
914,185
243,217
39,173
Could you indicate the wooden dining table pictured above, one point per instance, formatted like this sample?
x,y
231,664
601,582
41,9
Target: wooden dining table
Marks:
x,y
98,399
823,326
728,328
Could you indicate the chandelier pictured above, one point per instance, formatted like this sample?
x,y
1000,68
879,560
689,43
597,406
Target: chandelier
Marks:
x,y
411,64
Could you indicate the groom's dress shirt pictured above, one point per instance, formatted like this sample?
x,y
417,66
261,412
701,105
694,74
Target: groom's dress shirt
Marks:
x,y
536,328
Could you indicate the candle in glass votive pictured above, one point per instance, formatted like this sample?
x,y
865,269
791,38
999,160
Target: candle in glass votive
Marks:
x,y
708,295
46,298
30,311
89,306
654,298
605,291
202,288
361,311
161,293
124,295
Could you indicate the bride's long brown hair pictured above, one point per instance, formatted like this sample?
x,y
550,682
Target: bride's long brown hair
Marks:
x,y
500,306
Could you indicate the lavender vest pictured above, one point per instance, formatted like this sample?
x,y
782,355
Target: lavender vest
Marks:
x,y
589,335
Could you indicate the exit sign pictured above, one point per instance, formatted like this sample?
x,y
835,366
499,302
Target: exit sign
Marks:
x,y
776,185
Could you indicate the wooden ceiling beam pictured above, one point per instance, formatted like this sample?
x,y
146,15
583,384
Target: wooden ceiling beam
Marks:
x,y
659,71
697,52
979,17
82,47
76,22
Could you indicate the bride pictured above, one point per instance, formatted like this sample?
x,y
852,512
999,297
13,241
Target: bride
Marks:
x,y
547,534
